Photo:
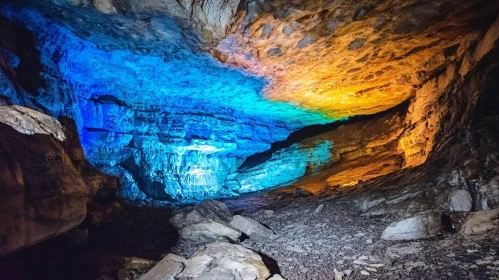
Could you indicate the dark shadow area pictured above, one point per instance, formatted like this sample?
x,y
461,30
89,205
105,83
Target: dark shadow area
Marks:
x,y
91,251
270,263
19,41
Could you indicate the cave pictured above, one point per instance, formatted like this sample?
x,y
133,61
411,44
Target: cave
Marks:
x,y
249,139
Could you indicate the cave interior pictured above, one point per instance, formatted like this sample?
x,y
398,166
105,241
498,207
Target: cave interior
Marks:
x,y
249,139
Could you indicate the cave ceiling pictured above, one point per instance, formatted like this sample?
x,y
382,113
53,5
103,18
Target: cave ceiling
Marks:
x,y
174,96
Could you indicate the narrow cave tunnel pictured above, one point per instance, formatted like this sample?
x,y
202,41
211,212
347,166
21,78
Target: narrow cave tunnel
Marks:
x,y
238,139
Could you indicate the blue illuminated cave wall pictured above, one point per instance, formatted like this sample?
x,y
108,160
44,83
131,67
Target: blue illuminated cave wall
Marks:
x,y
174,125
283,167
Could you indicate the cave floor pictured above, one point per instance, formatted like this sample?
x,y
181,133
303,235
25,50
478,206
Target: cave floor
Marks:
x,y
312,245
307,245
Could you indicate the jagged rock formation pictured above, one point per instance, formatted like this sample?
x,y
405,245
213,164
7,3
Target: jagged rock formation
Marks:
x,y
218,260
168,130
43,191
442,123
174,124
212,220
360,57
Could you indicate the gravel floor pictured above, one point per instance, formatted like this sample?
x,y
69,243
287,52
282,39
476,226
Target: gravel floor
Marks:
x,y
306,245
337,240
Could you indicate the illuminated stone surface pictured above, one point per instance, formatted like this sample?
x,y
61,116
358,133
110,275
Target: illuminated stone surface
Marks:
x,y
360,57
171,127
154,108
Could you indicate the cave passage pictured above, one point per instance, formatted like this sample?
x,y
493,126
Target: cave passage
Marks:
x,y
238,140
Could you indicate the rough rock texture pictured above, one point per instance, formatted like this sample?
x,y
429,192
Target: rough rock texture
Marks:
x,y
206,232
419,227
360,57
134,268
168,268
225,261
172,124
211,18
155,109
460,201
481,222
444,121
253,229
27,121
42,191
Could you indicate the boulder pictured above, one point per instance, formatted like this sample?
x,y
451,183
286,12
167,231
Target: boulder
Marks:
x,y
207,222
134,268
208,210
41,192
418,227
210,231
251,228
214,210
460,201
167,269
30,122
224,261
481,222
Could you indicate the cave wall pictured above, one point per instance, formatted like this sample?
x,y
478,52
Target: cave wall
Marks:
x,y
154,108
445,130
171,125
45,181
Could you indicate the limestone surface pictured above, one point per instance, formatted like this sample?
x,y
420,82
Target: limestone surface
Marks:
x,y
422,226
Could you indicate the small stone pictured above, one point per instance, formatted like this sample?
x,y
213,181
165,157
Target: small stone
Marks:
x,y
319,209
268,213
369,241
295,249
287,30
360,262
365,273
376,265
267,29
360,14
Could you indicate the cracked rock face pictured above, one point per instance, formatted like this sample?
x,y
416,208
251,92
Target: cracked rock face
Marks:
x,y
360,57
42,194
27,121
154,106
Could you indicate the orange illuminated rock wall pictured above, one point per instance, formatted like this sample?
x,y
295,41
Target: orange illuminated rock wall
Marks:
x,y
439,115
346,58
